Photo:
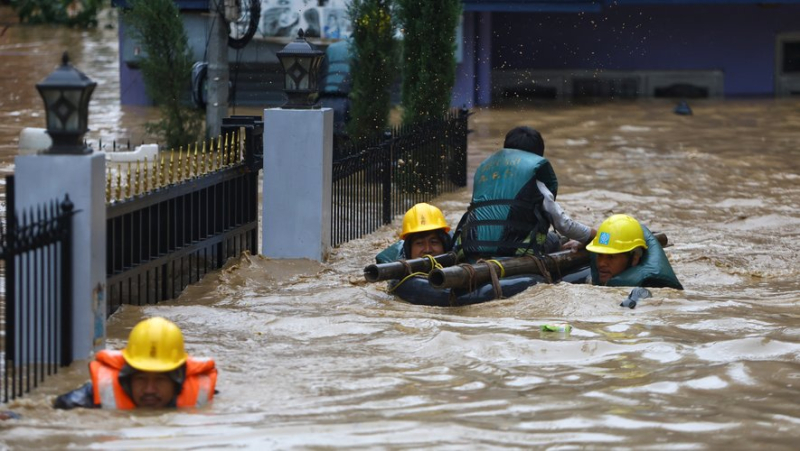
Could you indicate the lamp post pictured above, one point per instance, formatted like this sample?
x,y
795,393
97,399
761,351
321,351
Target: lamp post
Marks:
x,y
66,93
301,63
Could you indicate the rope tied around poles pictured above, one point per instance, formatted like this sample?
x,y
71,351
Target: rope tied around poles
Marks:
x,y
470,283
409,270
493,270
542,267
434,264
407,267
413,274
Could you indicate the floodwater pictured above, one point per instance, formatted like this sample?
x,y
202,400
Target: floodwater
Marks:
x,y
312,357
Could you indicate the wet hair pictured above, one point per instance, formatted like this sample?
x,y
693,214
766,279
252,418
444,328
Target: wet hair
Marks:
x,y
525,138
444,237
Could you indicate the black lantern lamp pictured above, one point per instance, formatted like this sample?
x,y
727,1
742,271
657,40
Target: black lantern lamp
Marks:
x,y
301,65
66,93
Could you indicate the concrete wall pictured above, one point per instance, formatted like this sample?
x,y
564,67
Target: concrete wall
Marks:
x,y
737,40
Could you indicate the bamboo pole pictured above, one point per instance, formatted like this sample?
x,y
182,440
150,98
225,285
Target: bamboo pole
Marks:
x,y
465,276
400,269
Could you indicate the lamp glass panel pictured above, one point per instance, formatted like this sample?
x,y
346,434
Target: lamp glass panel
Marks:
x,y
313,74
288,81
50,97
73,120
305,63
83,108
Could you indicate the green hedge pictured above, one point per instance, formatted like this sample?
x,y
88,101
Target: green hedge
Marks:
x,y
373,66
429,64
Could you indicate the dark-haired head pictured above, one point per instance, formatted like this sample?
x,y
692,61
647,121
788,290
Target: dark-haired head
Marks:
x,y
525,138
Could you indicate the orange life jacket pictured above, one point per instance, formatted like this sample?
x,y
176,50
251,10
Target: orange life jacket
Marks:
x,y
198,388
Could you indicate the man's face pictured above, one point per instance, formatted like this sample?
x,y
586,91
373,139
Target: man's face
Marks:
x,y
152,390
609,265
426,244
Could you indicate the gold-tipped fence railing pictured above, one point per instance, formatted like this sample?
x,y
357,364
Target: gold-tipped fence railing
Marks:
x,y
171,221
127,180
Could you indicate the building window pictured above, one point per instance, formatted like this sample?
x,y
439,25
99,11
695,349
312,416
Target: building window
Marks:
x,y
791,57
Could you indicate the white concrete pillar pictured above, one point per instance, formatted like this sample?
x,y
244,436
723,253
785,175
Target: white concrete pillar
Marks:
x,y
40,179
298,164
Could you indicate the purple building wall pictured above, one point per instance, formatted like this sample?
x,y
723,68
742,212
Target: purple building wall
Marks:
x,y
737,39
131,83
464,88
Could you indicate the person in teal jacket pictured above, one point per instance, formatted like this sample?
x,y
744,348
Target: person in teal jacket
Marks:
x,y
626,254
513,203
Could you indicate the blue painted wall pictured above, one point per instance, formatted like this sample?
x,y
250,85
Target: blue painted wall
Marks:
x,y
738,39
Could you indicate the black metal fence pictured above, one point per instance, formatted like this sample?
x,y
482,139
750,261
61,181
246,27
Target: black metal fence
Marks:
x,y
161,241
376,181
36,315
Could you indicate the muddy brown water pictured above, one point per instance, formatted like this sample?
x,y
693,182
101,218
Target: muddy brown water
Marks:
x,y
312,357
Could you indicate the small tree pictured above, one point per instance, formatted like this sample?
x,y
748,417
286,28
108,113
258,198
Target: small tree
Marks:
x,y
373,66
166,68
429,64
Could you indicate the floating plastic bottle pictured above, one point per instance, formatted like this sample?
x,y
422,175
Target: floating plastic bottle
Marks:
x,y
557,327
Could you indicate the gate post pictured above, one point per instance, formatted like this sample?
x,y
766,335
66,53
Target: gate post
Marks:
x,y
42,177
298,177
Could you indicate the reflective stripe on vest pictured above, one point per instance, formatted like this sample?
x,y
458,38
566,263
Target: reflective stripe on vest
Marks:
x,y
108,393
201,381
105,388
203,390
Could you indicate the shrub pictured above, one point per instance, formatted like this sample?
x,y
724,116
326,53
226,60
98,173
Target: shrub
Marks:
x,y
166,67
429,64
373,66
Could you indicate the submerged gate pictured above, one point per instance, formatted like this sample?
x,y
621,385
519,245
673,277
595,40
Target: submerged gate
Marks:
x,y
374,182
195,212
36,315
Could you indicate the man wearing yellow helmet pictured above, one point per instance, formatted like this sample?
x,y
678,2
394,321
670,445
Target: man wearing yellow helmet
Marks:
x,y
425,232
513,203
153,371
625,253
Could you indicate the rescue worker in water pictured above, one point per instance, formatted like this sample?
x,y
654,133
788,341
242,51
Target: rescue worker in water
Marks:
x,y
624,253
153,371
425,232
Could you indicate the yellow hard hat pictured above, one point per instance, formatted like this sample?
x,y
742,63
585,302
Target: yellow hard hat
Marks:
x,y
422,218
618,234
155,344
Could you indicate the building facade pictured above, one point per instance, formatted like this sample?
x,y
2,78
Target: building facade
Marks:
x,y
559,49
628,49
